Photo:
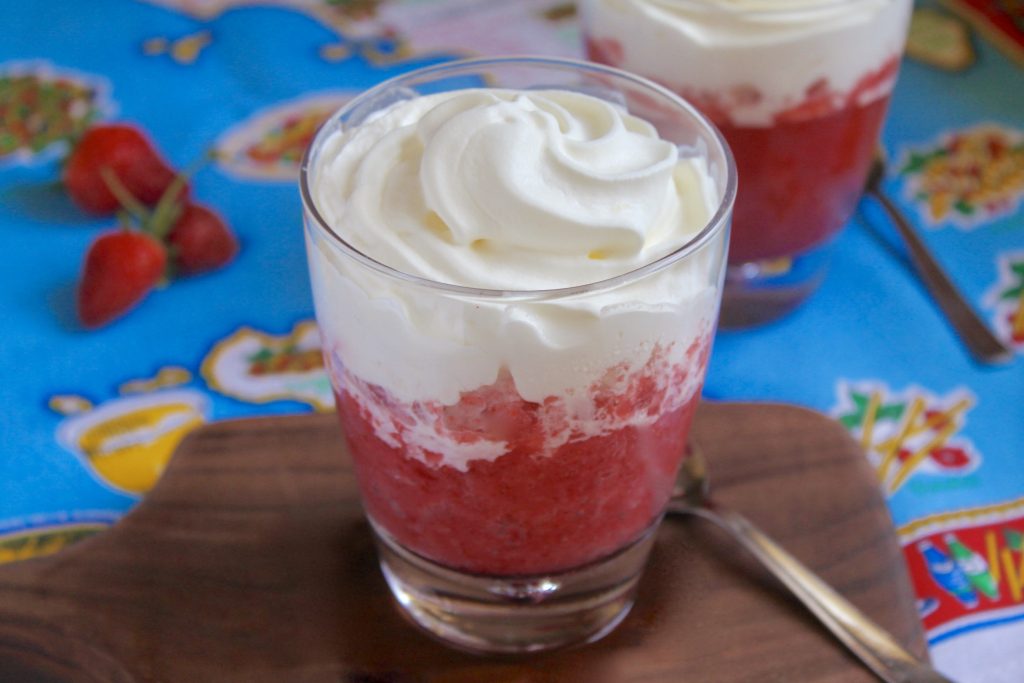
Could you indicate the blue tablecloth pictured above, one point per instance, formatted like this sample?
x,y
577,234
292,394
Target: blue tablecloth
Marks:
x,y
250,79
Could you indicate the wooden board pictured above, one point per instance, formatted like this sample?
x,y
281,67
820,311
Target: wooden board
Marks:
x,y
250,561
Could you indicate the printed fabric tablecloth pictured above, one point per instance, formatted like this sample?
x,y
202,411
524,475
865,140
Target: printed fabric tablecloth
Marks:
x,y
89,418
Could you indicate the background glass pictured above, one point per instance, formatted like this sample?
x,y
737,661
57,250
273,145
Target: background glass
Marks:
x,y
800,91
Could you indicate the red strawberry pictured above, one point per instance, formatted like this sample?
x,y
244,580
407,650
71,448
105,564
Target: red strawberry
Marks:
x,y
121,267
200,240
129,155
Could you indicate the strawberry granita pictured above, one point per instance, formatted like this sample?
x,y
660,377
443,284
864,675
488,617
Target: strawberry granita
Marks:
x,y
563,493
799,89
517,290
803,174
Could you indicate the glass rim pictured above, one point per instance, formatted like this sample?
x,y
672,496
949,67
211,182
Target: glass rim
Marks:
x,y
714,225
815,8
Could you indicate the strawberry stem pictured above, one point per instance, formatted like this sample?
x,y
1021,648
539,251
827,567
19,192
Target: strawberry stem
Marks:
x,y
124,197
168,209
124,220
171,270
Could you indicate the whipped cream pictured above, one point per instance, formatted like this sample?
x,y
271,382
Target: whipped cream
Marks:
x,y
778,49
503,190
518,191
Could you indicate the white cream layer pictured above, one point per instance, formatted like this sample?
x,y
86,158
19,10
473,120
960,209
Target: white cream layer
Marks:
x,y
507,190
780,48
504,190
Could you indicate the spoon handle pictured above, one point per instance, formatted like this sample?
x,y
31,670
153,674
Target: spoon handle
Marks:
x,y
976,335
872,644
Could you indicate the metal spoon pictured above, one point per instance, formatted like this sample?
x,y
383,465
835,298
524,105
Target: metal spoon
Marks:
x,y
868,641
976,335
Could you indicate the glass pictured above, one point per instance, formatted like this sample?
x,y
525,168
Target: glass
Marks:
x,y
800,91
504,522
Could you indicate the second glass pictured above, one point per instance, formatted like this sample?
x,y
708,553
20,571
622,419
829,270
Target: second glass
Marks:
x,y
515,448
799,89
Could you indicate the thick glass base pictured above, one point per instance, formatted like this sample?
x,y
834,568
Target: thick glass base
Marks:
x,y
504,615
760,292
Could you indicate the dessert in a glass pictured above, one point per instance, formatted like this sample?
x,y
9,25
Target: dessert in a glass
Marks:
x,y
799,88
517,282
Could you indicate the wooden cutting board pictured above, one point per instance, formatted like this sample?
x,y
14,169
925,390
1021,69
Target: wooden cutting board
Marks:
x,y
250,561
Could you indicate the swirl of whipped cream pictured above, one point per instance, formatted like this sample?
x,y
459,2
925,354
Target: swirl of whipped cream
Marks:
x,y
508,189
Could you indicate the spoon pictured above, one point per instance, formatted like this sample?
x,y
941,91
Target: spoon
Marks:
x,y
868,641
976,335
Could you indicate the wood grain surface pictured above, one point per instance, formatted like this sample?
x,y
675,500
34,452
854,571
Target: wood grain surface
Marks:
x,y
250,561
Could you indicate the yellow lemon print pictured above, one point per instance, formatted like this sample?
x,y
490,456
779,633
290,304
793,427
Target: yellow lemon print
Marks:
x,y
127,442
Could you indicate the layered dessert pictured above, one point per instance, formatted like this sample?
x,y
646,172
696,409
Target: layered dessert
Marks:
x,y
516,353
799,88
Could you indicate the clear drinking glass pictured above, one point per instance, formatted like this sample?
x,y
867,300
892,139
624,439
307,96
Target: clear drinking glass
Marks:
x,y
799,89
516,513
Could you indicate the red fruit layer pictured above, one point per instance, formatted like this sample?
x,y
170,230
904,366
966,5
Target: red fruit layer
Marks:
x,y
799,178
535,509
799,181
